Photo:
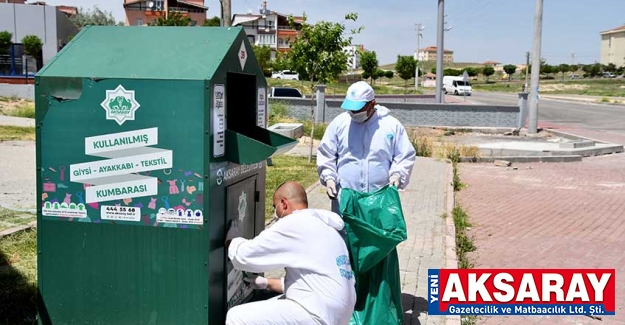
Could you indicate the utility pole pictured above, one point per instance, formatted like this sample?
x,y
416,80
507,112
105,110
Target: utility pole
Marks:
x,y
440,48
416,73
534,91
572,58
527,70
227,12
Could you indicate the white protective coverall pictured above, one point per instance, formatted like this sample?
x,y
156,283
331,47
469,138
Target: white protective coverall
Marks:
x,y
319,287
362,156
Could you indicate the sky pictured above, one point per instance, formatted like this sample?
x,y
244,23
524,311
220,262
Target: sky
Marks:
x,y
482,30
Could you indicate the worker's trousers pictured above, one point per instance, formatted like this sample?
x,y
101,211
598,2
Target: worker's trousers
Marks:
x,y
275,311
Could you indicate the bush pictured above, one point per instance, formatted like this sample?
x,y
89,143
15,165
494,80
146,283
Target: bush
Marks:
x,y
32,45
5,41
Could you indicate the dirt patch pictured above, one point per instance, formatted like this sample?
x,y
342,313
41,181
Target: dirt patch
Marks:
x,y
562,87
16,107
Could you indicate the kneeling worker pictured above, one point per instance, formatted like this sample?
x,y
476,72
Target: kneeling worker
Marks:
x,y
319,287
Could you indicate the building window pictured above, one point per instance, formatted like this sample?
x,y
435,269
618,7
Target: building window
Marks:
x,y
139,22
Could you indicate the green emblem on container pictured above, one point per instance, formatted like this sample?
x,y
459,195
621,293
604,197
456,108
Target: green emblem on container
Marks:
x,y
120,105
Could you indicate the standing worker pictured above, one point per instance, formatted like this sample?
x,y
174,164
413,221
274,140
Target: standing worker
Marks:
x,y
319,287
364,148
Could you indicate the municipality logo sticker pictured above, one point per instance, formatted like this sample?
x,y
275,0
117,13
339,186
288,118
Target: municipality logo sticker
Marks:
x,y
120,105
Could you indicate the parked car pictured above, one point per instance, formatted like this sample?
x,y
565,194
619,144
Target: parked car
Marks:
x,y
285,92
456,86
609,75
286,75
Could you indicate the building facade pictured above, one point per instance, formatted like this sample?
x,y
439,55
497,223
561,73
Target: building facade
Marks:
x,y
429,54
49,23
144,12
613,46
269,28
353,52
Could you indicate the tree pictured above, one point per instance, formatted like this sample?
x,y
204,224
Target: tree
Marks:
x,y
366,75
472,72
611,67
369,62
317,54
215,21
564,68
32,45
281,62
263,55
174,18
510,69
488,71
452,72
6,38
574,68
406,66
433,70
389,74
94,17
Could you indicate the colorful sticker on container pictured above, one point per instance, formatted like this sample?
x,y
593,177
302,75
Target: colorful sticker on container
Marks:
x,y
180,216
219,121
261,111
242,55
119,213
120,105
64,210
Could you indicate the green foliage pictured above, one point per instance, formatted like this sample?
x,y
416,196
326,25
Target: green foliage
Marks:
x,y
173,19
32,45
282,62
317,53
406,66
510,69
94,17
464,244
433,70
263,55
389,74
6,38
452,72
574,68
472,72
215,22
369,63
488,71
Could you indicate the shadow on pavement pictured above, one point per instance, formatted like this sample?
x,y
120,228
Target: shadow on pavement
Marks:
x,y
413,307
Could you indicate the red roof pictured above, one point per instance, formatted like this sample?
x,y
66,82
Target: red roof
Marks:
x,y
433,49
622,28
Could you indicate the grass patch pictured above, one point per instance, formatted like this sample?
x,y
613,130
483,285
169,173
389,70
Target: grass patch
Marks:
x,y
464,244
288,168
18,278
9,132
588,87
10,218
17,107
279,113
435,147
382,86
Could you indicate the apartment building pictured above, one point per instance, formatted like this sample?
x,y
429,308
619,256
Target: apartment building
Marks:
x,y
429,54
143,12
353,52
613,46
268,28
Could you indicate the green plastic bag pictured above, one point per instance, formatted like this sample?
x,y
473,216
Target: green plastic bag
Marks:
x,y
374,226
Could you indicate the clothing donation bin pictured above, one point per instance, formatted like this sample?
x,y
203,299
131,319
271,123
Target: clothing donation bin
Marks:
x,y
150,142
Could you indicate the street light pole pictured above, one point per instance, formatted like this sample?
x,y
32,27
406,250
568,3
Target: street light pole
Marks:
x,y
416,76
439,51
534,89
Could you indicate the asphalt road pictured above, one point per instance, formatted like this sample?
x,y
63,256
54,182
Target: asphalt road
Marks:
x,y
598,117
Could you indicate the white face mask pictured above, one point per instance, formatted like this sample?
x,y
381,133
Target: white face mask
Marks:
x,y
359,117
275,216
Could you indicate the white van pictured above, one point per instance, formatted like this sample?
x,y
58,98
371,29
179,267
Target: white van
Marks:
x,y
456,86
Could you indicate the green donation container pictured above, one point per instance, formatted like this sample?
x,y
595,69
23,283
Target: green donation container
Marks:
x,y
150,142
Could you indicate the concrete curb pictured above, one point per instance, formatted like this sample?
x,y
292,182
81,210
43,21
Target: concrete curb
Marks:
x,y
451,259
524,159
11,231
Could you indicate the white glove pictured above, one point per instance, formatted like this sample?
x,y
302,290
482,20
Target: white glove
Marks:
x,y
257,282
394,180
233,232
331,189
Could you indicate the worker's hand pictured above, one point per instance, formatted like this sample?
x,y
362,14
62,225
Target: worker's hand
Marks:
x,y
257,282
232,233
394,180
331,189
